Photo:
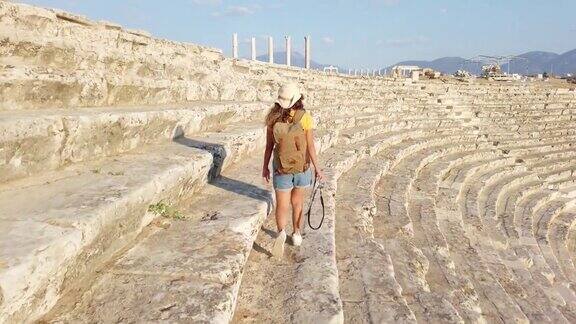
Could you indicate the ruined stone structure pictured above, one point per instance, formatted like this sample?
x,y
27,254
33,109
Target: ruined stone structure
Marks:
x,y
446,201
270,49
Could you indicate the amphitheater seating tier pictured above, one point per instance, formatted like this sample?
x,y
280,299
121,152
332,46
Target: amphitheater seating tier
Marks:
x,y
130,188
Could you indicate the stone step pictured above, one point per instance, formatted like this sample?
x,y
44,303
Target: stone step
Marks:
x,y
443,275
313,268
496,264
35,141
528,288
189,270
514,113
541,267
506,120
423,162
141,81
68,222
541,218
496,191
558,237
459,195
218,267
403,240
356,134
496,305
368,286
518,258
316,276
62,86
527,246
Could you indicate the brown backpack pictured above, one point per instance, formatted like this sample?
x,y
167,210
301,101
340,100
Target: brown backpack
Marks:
x,y
291,150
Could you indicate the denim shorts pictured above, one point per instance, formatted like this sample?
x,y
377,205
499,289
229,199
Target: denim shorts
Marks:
x,y
285,182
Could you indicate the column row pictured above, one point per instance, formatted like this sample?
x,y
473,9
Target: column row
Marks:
x,y
271,49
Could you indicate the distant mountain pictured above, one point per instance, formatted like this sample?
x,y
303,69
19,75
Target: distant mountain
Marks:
x,y
565,63
533,63
528,63
297,59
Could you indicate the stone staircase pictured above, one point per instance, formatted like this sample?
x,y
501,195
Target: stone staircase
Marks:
x,y
413,245
70,220
130,189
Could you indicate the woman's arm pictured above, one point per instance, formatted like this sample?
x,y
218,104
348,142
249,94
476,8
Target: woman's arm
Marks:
x,y
268,153
312,152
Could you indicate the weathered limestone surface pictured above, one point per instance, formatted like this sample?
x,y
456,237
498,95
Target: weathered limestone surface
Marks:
x,y
446,201
35,141
188,272
79,214
68,222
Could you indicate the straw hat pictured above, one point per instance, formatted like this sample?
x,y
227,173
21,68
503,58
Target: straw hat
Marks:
x,y
288,94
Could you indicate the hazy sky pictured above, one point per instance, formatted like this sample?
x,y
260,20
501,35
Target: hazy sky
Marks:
x,y
356,34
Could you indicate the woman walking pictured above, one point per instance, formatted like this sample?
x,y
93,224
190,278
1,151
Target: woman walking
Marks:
x,y
290,138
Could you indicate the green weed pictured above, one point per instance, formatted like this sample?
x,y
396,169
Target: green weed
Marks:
x,y
162,209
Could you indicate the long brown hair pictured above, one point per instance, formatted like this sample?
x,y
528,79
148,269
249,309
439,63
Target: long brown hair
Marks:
x,y
277,113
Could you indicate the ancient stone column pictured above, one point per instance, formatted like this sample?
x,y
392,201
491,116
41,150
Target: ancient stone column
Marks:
x,y
307,52
253,48
235,45
270,49
288,50
415,75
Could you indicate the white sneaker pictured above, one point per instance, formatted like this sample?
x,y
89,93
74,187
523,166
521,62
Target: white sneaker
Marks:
x,y
296,239
278,249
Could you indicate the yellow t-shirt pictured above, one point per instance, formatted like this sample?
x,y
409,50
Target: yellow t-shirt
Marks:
x,y
307,121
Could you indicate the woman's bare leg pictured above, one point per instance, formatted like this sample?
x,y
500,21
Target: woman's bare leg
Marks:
x,y
297,200
282,205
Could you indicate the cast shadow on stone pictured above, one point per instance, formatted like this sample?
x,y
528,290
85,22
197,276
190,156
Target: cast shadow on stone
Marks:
x,y
269,232
215,178
258,248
